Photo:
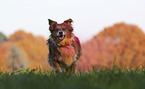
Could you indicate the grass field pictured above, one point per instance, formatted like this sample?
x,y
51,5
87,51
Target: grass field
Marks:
x,y
114,78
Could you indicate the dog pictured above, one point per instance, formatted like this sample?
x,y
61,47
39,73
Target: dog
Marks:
x,y
64,46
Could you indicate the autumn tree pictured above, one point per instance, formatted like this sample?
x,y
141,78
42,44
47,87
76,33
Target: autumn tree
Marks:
x,y
122,42
16,59
34,47
5,47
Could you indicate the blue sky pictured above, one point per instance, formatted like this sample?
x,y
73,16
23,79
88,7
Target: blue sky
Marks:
x,y
90,16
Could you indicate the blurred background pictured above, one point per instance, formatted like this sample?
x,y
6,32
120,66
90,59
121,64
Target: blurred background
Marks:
x,y
111,32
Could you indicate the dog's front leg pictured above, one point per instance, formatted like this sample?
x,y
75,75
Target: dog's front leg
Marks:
x,y
71,69
57,67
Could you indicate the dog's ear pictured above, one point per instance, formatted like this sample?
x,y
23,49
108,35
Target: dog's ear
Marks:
x,y
51,21
68,24
52,24
68,21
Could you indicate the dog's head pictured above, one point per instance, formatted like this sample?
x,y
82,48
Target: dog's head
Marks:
x,y
60,31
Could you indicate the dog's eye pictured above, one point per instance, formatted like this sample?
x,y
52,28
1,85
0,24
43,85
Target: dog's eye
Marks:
x,y
63,28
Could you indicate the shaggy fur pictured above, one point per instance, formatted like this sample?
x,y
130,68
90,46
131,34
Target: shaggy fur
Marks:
x,y
64,46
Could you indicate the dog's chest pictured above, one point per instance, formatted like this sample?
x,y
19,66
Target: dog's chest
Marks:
x,y
68,54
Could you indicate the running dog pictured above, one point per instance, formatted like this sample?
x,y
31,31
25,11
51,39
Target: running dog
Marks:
x,y
64,46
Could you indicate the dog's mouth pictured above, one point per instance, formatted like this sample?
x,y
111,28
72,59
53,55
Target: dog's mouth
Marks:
x,y
61,37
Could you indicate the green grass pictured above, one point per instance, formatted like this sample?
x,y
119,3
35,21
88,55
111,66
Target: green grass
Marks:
x,y
114,78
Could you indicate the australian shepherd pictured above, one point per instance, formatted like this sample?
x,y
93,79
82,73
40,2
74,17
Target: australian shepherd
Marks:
x,y
64,46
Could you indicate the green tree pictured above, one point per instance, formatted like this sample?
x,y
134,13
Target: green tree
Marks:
x,y
2,37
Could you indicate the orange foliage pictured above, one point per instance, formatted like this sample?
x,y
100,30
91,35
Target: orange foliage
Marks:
x,y
34,47
4,49
125,43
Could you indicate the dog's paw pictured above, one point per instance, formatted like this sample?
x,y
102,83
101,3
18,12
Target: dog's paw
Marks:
x,y
58,70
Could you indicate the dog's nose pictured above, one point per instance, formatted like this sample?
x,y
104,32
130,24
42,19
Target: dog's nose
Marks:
x,y
61,33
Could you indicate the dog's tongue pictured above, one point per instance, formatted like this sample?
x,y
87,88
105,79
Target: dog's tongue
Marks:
x,y
61,37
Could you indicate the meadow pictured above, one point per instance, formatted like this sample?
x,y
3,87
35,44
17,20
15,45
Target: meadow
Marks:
x,y
114,78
